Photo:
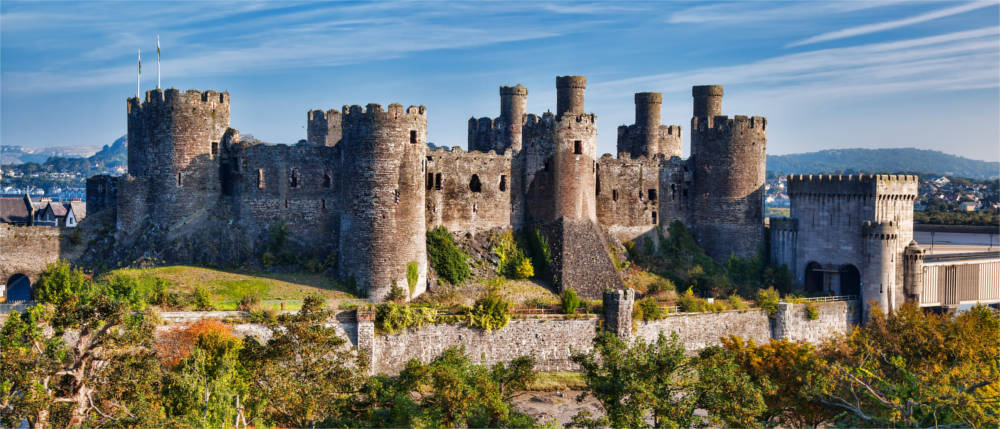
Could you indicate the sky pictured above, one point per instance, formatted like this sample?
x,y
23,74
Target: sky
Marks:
x,y
827,75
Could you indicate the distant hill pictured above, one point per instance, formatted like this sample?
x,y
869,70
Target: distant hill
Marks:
x,y
21,154
906,160
112,156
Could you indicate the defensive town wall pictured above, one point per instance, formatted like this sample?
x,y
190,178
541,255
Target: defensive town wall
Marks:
x,y
553,338
28,249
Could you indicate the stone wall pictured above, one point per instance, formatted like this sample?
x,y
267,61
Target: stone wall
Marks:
x,y
549,338
28,249
628,194
699,330
468,191
833,318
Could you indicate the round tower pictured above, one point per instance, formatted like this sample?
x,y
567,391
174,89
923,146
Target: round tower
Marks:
x,y
707,100
728,157
913,271
382,230
647,109
879,274
569,94
176,142
513,107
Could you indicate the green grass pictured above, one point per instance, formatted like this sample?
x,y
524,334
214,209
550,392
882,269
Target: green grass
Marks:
x,y
227,287
549,381
777,212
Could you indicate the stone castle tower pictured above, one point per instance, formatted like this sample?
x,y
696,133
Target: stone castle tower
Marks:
x,y
364,187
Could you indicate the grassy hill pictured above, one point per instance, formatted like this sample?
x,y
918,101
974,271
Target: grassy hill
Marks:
x,y
906,160
227,288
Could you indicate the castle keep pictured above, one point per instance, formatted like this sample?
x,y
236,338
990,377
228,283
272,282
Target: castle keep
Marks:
x,y
364,186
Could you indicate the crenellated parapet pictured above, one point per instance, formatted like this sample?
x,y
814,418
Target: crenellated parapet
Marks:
x,y
646,136
883,186
323,128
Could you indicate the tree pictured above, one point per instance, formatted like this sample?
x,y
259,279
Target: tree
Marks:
x,y
47,381
910,368
303,375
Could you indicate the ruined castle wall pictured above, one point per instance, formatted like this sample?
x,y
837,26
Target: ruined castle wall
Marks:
x,y
699,330
539,167
483,134
176,146
102,193
133,203
467,191
382,226
728,160
628,195
293,185
675,188
549,339
323,128
640,140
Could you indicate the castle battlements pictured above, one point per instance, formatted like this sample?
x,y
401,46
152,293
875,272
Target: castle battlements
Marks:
x,y
317,114
882,186
723,124
374,111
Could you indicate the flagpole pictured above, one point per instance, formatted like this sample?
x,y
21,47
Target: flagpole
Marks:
x,y
138,77
157,61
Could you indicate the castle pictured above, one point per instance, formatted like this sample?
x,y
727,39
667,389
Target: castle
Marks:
x,y
364,184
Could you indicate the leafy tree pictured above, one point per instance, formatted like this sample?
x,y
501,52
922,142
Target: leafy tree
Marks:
x,y
911,368
303,374
107,377
61,281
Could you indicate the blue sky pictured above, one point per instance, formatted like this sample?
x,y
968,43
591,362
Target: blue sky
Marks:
x,y
826,74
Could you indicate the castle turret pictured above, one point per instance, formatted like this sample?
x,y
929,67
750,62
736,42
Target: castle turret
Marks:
x,y
913,271
879,278
323,128
174,141
707,101
728,160
513,106
382,229
647,137
569,94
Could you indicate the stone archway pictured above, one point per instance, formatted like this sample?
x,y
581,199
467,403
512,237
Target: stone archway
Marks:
x,y
850,280
18,288
814,277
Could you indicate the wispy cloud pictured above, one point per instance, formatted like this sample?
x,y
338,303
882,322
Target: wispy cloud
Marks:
x,y
889,25
749,12
953,61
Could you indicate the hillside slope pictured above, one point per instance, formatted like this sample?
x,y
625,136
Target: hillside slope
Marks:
x,y
882,161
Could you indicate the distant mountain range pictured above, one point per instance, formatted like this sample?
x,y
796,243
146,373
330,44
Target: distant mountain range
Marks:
x,y
21,154
906,160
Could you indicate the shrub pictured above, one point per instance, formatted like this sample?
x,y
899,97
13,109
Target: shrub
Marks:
x,y
332,260
661,285
538,246
812,313
570,301
60,281
201,299
689,303
395,293
767,300
391,317
268,260
249,302
647,309
412,275
512,261
737,303
524,269
490,312
449,262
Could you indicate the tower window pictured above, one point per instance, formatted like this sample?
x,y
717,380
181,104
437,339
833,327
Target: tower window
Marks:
x,y
430,181
437,181
577,147
547,162
474,184
293,178
260,178
654,217
322,203
327,180
651,194
215,149
503,182
614,195
413,137
178,179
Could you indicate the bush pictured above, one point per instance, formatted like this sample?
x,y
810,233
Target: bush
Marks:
x,y
767,300
812,313
60,281
449,262
249,302
268,260
689,303
661,285
395,293
524,269
201,299
737,303
391,317
570,301
648,309
512,261
490,312
538,247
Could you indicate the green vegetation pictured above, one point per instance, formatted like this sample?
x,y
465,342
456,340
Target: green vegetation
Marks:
x,y
391,318
767,300
569,301
450,263
556,380
490,312
937,217
647,309
538,248
812,312
513,261
412,275
181,287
